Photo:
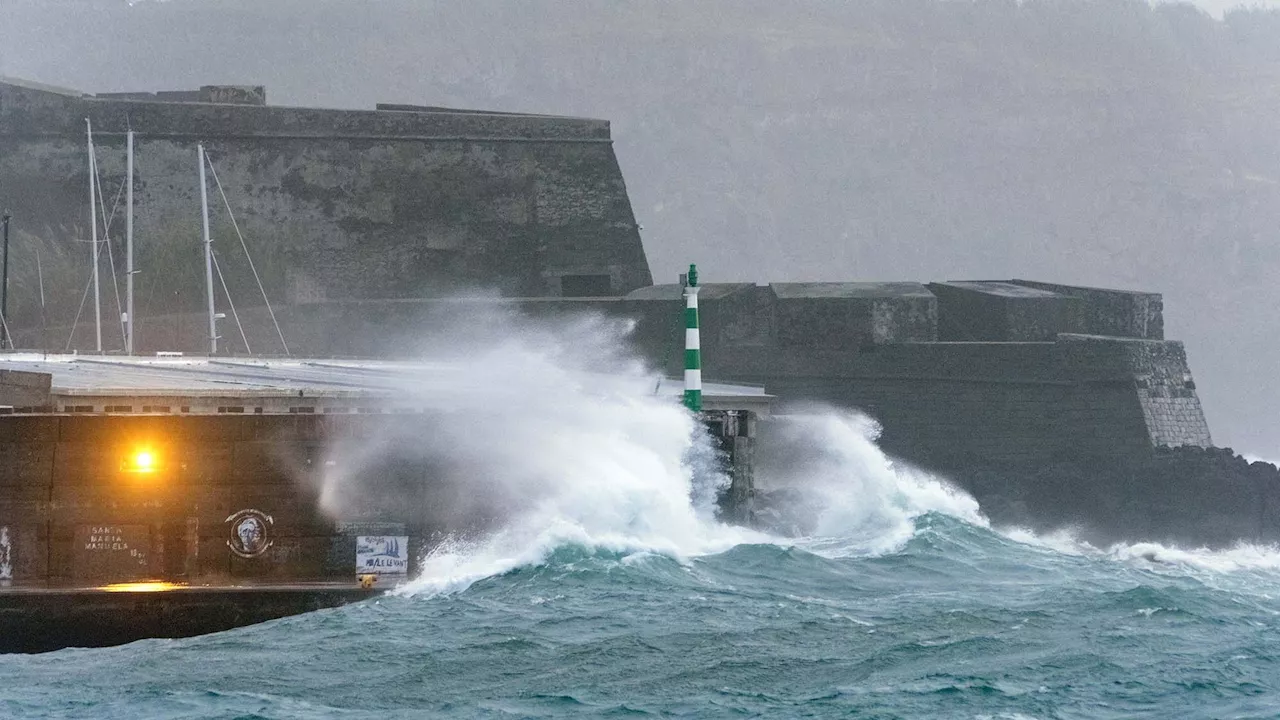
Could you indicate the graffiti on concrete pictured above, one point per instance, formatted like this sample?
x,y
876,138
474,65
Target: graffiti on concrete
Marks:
x,y
250,533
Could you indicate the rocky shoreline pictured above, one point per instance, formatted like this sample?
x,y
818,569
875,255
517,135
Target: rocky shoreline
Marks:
x,y
1188,496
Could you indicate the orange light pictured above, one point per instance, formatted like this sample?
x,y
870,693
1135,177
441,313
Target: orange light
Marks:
x,y
153,586
141,461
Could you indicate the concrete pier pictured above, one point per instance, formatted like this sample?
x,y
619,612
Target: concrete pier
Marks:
x,y
173,497
41,619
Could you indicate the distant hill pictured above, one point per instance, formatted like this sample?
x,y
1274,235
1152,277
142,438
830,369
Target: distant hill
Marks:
x,y
1100,142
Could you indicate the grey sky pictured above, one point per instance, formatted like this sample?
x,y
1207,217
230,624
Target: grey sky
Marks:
x,y
1217,7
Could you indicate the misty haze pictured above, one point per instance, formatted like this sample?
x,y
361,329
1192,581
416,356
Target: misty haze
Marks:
x,y
551,358
1094,143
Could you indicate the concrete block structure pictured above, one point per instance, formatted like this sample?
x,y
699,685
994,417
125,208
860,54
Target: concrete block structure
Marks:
x,y
1034,389
400,202
1114,313
1003,312
372,227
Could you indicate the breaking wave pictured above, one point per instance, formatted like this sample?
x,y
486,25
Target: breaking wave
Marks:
x,y
1242,557
554,436
539,449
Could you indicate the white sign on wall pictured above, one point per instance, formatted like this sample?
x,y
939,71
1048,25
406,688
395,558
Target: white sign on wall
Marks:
x,y
382,554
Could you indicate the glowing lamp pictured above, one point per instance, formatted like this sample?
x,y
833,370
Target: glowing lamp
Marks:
x,y
150,586
141,461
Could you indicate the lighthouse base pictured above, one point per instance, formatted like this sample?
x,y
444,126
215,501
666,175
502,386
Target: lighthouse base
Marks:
x,y
734,434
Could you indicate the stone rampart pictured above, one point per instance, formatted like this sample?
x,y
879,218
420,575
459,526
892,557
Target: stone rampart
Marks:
x,y
868,346
1115,313
346,205
1003,312
362,225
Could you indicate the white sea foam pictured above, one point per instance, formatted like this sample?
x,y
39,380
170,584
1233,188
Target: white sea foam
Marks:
x,y
1244,556
1259,458
536,450
1062,540
850,497
1152,555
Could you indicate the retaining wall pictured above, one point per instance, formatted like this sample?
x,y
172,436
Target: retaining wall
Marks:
x,y
945,404
332,204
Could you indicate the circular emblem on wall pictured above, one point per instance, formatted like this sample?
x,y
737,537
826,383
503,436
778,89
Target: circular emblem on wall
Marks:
x,y
250,533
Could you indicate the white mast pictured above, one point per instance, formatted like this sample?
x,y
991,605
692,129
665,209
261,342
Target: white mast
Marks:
x,y
128,239
208,255
93,222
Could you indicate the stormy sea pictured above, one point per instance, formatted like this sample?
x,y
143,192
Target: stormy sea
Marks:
x,y
604,585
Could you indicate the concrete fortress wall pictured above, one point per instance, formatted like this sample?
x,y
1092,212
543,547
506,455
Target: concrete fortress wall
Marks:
x,y
1037,386
363,223
1038,389
335,205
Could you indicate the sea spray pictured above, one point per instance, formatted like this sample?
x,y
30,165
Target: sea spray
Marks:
x,y
537,449
555,437
1241,557
829,480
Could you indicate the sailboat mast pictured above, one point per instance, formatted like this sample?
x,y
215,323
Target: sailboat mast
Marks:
x,y
128,239
44,319
93,223
208,255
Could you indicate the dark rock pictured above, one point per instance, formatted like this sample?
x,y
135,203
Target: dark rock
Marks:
x,y
1187,496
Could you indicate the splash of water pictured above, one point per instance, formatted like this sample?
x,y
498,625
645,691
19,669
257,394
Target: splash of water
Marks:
x,y
1259,458
840,489
1242,557
537,449
554,437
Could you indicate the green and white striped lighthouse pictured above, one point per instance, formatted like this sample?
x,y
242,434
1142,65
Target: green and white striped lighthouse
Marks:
x,y
692,344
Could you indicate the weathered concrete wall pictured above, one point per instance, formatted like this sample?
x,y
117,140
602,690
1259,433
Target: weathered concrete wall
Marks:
x,y
64,487
75,510
24,389
1117,313
956,405
333,204
1165,389
1003,312
866,346
826,314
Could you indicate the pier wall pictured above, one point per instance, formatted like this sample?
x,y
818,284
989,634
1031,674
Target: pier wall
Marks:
x,y
76,514
231,498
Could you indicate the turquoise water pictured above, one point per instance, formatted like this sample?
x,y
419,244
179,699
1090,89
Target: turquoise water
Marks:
x,y
960,621
595,581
